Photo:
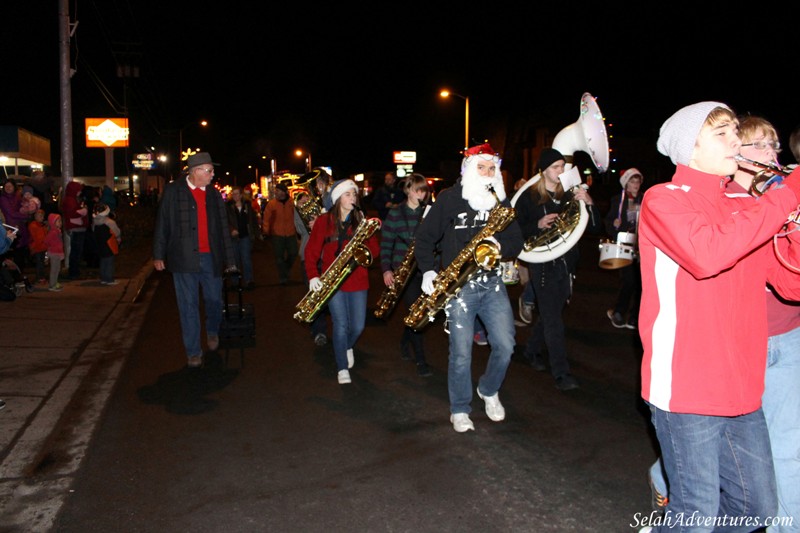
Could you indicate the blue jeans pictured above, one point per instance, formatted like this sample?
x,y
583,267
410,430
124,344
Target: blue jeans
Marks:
x,y
243,248
348,314
107,268
484,296
781,405
187,293
718,467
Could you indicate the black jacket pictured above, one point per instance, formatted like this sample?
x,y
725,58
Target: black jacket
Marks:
x,y
176,239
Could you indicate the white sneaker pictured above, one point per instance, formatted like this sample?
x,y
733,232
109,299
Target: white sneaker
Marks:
x,y
494,409
646,529
461,422
350,359
525,311
343,377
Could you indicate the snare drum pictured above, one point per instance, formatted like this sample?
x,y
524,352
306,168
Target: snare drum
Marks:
x,y
624,237
613,255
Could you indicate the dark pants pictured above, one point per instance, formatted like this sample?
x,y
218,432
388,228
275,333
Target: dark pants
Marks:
x,y
410,337
286,250
76,242
551,297
630,292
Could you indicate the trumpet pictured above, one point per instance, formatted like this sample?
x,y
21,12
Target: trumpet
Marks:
x,y
761,180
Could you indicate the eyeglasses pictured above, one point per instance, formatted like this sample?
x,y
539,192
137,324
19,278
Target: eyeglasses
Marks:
x,y
206,170
762,145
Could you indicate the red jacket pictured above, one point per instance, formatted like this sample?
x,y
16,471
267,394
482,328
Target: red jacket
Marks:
x,y
317,248
703,318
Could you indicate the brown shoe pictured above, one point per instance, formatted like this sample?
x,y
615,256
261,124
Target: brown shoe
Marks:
x,y
195,361
213,342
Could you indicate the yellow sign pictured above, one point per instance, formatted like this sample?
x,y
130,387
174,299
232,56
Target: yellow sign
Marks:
x,y
106,132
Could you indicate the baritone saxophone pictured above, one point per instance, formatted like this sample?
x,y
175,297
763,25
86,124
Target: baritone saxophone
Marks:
x,y
353,254
402,274
480,252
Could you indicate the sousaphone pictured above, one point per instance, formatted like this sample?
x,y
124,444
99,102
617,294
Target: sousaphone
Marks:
x,y
587,134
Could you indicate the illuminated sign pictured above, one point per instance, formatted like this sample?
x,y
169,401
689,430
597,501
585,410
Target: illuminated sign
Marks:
x,y
405,157
144,161
106,132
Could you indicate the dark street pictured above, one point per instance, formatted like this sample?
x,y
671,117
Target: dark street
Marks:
x,y
263,438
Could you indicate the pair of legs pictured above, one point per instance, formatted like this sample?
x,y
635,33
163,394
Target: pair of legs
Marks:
x,y
188,286
107,269
77,238
410,337
349,315
243,248
286,250
630,293
548,330
718,468
483,297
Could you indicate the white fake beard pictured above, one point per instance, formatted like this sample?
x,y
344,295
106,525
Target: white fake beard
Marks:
x,y
474,188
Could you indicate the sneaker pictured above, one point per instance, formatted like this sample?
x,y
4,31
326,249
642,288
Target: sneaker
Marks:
x,y
344,377
320,339
646,529
424,370
657,500
115,282
630,324
616,319
55,288
195,361
567,382
494,409
525,310
350,359
213,342
461,422
480,338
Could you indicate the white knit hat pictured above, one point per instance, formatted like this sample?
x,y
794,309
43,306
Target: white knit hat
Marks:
x,y
679,133
340,187
627,175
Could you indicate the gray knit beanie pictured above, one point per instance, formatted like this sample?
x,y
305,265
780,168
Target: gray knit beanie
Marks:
x,y
679,133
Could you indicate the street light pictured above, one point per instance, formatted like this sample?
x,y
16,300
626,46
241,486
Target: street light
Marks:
x,y
445,94
203,123
299,153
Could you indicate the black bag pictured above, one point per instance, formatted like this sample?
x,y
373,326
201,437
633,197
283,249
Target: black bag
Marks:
x,y
238,319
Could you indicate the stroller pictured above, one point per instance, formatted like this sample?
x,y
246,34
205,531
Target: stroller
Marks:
x,y
12,282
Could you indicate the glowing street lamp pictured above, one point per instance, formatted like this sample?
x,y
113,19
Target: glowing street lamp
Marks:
x,y
299,153
446,94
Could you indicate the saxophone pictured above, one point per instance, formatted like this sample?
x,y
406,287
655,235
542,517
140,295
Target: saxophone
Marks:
x,y
354,253
402,274
479,253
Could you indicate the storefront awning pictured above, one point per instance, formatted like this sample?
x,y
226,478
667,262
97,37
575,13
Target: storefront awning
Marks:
x,y
21,148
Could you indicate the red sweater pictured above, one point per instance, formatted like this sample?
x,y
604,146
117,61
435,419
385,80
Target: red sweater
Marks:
x,y
703,318
317,247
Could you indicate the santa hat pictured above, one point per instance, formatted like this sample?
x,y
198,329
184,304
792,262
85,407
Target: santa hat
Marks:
x,y
339,188
484,151
679,132
627,175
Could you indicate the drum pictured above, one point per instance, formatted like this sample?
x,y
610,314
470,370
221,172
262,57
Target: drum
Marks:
x,y
613,255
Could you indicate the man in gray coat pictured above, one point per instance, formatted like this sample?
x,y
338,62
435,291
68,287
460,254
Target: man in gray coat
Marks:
x,y
193,242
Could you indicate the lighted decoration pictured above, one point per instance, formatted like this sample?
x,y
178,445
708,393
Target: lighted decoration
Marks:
x,y
188,152
107,132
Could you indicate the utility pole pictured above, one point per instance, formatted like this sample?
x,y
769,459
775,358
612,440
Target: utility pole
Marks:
x,y
65,30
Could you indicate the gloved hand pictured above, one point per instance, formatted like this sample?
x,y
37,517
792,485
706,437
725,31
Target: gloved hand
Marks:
x,y
314,284
427,282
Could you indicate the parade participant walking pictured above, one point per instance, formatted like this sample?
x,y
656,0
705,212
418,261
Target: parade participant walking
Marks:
x,y
397,234
243,223
348,305
388,196
278,223
192,240
704,272
537,210
459,214
623,217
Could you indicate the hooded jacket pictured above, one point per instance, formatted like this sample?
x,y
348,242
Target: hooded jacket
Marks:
x,y
76,215
53,240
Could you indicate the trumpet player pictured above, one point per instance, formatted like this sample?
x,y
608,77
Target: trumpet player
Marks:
x,y
348,306
459,214
703,320
397,234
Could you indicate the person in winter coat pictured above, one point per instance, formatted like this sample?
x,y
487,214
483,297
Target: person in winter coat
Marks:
x,y
76,223
55,249
105,228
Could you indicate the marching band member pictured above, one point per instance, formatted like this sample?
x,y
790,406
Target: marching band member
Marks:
x,y
397,233
703,320
551,280
348,306
459,213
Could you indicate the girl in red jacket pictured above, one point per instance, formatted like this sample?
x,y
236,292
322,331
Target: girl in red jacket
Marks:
x,y
348,305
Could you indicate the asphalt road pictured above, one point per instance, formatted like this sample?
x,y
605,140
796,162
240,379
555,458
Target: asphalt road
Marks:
x,y
265,439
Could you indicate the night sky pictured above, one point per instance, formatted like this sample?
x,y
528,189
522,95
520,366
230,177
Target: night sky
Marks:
x,y
352,85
